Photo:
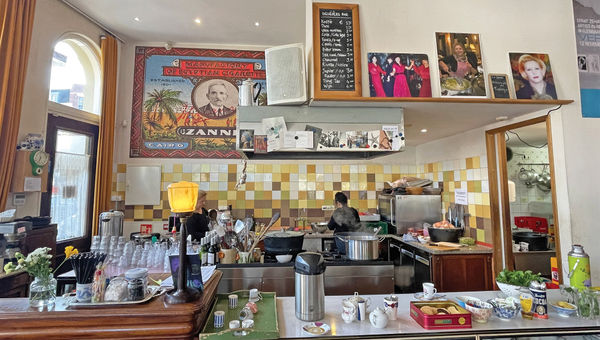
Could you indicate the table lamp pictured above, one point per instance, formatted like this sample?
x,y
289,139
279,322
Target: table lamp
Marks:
x,y
182,200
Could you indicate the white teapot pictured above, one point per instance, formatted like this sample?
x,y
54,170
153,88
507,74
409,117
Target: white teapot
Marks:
x,y
378,318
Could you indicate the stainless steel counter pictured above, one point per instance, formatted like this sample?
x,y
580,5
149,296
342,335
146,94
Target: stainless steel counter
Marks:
x,y
476,249
343,277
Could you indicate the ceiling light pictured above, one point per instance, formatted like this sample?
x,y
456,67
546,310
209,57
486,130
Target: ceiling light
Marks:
x,y
136,19
423,130
257,24
197,20
501,118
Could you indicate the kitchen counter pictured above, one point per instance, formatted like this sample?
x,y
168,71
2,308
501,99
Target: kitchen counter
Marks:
x,y
476,249
327,234
290,327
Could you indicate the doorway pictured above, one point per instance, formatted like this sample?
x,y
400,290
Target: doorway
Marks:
x,y
68,201
522,197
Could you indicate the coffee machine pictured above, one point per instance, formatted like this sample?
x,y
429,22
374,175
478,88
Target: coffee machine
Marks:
x,y
12,235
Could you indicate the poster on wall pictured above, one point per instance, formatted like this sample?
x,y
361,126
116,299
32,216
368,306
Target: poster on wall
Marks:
x,y
399,75
460,63
185,101
587,24
532,76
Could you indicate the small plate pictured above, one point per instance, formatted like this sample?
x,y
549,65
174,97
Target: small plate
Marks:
x,y
436,296
316,328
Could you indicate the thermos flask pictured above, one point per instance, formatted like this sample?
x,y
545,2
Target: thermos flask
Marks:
x,y
579,268
310,290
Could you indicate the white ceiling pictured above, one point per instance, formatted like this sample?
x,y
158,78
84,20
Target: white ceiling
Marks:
x,y
227,22
532,134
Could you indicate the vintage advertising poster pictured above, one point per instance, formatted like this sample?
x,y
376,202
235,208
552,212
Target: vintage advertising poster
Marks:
x,y
185,101
460,64
587,37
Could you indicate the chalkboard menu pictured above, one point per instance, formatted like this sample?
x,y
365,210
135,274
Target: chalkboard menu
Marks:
x,y
499,86
337,50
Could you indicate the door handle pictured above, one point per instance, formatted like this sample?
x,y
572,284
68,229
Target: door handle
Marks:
x,y
422,260
392,207
407,253
395,246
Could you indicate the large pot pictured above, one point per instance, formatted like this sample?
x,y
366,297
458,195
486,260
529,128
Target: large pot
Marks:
x,y
360,246
444,234
284,242
536,241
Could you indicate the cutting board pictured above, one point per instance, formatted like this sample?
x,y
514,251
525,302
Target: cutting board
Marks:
x,y
441,247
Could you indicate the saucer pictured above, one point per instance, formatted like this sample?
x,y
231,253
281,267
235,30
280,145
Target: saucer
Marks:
x,y
316,328
436,296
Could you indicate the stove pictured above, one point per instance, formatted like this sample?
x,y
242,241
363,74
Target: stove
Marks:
x,y
330,257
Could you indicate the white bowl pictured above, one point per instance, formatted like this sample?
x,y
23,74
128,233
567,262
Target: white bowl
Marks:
x,y
512,290
283,258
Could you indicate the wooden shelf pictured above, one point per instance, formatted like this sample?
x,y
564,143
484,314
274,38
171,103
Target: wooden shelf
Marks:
x,y
447,116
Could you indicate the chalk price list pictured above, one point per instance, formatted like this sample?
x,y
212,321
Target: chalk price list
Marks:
x,y
337,50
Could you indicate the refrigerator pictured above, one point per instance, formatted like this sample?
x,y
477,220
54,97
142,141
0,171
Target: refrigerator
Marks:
x,y
409,211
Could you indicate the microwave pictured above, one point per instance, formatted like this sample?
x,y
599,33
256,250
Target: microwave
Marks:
x,y
409,211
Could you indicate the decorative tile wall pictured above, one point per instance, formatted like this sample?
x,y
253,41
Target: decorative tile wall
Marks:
x,y
291,189
294,189
470,173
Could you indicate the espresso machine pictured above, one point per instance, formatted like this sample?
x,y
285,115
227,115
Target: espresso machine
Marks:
x,y
12,235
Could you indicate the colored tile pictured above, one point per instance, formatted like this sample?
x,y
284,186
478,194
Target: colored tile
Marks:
x,y
177,168
469,162
480,235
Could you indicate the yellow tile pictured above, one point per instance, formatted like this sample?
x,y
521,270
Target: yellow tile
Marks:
x,y
363,205
472,209
463,175
469,163
121,168
231,195
353,177
379,177
285,186
478,210
476,162
458,185
212,195
480,235
345,169
302,177
470,186
285,168
302,204
276,168
259,168
177,176
276,204
276,177
177,168
249,168
268,168
259,186
249,204
387,177
485,198
328,169
370,169
486,211
223,176
186,177
166,213
167,177
473,221
138,212
345,186
362,186
477,196
258,213
328,186
148,214
372,204
293,168
311,177
450,186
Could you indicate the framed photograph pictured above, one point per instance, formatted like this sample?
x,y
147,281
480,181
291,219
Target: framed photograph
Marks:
x,y
399,75
532,76
246,140
316,134
460,64
499,85
332,140
260,143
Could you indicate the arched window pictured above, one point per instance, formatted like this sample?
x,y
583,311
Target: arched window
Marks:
x,y
75,80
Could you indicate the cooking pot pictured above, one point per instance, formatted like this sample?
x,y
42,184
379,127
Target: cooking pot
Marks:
x,y
284,242
536,241
360,246
528,177
444,234
544,182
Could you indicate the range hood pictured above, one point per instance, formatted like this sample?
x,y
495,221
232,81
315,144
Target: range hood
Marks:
x,y
326,118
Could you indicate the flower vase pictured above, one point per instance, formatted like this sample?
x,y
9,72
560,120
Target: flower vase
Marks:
x,y
42,291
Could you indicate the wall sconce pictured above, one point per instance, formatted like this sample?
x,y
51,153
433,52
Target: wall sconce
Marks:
x,y
182,200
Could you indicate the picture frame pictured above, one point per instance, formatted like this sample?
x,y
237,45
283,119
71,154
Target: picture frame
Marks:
x,y
399,74
532,76
246,140
260,143
499,88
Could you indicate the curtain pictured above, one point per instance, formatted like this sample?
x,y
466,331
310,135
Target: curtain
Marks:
x,y
104,160
16,24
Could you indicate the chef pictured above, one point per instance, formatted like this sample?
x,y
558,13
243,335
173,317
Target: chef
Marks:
x,y
344,219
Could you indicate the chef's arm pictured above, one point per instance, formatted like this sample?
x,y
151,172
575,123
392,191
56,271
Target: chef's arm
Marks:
x,y
332,225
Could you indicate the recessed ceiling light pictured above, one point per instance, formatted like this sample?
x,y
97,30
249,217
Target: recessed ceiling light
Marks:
x,y
501,118
136,19
257,23
423,130
197,20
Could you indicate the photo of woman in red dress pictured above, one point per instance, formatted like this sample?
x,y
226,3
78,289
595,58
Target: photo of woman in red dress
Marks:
x,y
399,75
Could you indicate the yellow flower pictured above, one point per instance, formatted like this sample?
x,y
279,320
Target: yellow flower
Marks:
x,y
70,251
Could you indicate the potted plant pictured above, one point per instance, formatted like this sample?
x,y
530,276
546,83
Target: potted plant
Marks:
x,y
515,282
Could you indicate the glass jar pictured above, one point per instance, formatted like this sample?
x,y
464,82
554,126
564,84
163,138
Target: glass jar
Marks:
x,y
135,290
42,291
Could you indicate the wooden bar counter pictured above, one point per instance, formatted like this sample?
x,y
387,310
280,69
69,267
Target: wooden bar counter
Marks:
x,y
152,320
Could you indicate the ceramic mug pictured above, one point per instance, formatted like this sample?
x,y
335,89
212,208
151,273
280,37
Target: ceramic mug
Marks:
x,y
391,306
229,256
349,311
83,292
428,290
356,298
254,295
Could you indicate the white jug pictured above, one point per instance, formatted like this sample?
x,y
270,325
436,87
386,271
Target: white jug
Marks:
x,y
378,318
246,91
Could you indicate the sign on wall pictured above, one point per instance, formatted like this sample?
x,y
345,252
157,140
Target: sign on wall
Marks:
x,y
185,101
587,26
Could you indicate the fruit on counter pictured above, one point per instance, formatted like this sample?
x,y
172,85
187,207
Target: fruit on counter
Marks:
x,y
518,277
565,304
443,225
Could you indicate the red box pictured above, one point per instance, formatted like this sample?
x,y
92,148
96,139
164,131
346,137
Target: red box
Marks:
x,y
536,224
446,321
